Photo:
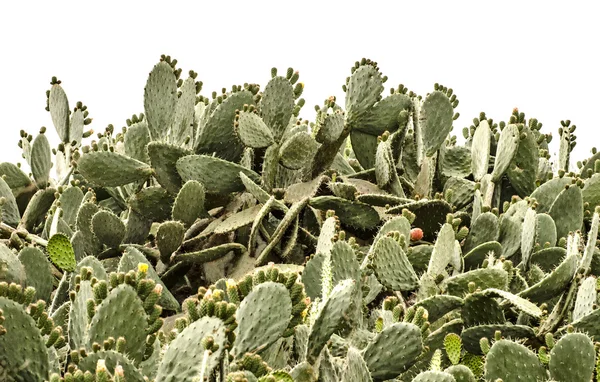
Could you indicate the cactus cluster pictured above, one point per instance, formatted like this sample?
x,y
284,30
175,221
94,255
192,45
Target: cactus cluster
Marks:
x,y
226,239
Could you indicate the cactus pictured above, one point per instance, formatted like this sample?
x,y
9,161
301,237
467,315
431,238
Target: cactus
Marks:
x,y
393,251
528,367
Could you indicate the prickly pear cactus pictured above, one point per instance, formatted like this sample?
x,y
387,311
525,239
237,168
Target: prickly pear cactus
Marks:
x,y
226,238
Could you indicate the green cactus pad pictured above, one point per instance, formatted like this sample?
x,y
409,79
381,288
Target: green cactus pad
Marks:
x,y
311,275
11,269
61,252
508,145
183,120
475,257
14,176
168,238
434,376
391,266
528,235
516,301
586,298
61,294
262,318
23,354
589,324
343,190
353,214
567,211
108,228
129,262
298,151
436,121
238,220
253,132
471,336
483,278
121,314
548,258
513,362
60,316
328,367
363,91
432,342
510,236
547,192
442,251
554,283
364,146
330,128
59,111
480,309
591,191
393,350
70,202
10,209
111,169
209,254
138,227
480,150
38,272
344,264
384,115
484,229
384,164
331,318
355,368
153,203
590,247
78,316
189,203
36,210
439,305
183,358
41,161
163,158
382,200
260,194
461,373
462,193
216,175
277,105
217,134
522,171
397,223
455,161
85,235
298,191
565,366
545,230
160,98
84,218
111,359
136,140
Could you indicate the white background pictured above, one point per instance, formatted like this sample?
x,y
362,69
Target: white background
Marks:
x,y
540,56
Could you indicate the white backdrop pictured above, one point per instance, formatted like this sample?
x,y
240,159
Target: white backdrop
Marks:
x,y
539,56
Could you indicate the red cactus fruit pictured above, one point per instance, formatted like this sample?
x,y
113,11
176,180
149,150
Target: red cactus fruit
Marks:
x,y
416,234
